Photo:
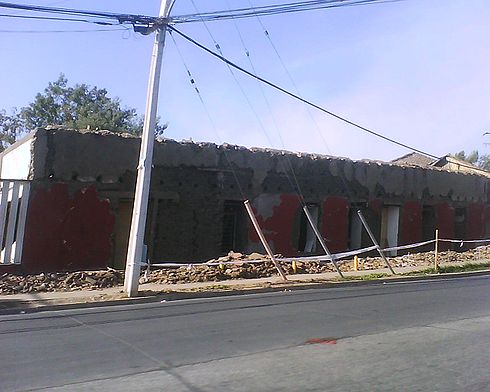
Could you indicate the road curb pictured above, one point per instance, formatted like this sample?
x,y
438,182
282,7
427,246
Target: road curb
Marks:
x,y
35,306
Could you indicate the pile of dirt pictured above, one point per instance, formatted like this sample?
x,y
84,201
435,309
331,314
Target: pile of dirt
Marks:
x,y
243,267
66,281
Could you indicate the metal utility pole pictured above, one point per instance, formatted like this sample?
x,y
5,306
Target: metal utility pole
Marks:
x,y
321,240
140,207
262,238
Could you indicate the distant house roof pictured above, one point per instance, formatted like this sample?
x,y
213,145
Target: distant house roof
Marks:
x,y
449,162
446,162
414,159
450,159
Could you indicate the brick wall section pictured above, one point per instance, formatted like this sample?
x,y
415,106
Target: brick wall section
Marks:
x,y
445,223
335,223
475,227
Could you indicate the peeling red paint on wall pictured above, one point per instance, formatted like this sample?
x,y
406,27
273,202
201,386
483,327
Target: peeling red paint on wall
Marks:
x,y
475,228
411,223
445,222
65,232
376,205
335,223
278,227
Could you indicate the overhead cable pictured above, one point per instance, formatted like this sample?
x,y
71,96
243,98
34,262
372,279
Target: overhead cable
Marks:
x,y
273,9
120,17
146,24
301,99
145,20
141,23
59,19
64,31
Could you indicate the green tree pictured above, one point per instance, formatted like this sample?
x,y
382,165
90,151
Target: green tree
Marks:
x,y
10,129
79,107
472,157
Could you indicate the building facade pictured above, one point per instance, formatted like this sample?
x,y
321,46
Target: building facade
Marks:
x,y
82,191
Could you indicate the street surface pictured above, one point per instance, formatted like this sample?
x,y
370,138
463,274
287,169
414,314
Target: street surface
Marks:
x,y
407,336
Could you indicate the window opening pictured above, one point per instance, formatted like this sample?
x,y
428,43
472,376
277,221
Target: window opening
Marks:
x,y
428,223
389,228
307,242
355,227
232,218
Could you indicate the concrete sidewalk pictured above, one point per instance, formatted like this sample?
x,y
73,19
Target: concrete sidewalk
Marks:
x,y
156,292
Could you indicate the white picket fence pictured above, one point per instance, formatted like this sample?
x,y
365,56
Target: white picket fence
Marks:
x,y
14,199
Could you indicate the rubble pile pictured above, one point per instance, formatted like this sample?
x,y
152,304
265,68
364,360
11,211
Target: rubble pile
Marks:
x,y
65,281
232,266
243,267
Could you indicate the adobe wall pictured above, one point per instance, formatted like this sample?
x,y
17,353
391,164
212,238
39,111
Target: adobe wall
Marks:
x,y
192,181
110,159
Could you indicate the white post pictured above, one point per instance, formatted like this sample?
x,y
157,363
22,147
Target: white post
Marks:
x,y
436,251
138,221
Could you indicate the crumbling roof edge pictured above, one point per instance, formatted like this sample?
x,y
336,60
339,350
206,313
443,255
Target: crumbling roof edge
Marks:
x,y
162,140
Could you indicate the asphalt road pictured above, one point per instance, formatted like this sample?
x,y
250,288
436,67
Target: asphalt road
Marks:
x,y
412,336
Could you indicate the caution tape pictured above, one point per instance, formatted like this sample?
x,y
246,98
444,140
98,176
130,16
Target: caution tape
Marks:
x,y
190,265
418,244
464,241
335,256
319,258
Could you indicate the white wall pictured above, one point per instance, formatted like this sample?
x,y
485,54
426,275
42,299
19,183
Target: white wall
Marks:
x,y
16,162
389,228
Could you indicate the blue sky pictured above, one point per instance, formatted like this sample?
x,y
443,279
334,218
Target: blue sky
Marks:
x,y
417,71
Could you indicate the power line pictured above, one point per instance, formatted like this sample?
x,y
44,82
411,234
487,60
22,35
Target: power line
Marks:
x,y
146,24
297,97
145,20
63,31
274,9
141,23
57,19
120,17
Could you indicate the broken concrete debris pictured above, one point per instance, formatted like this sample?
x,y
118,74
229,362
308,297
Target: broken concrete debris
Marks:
x,y
241,267
62,281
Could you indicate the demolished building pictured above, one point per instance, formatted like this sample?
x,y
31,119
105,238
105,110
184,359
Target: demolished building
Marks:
x,y
77,210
